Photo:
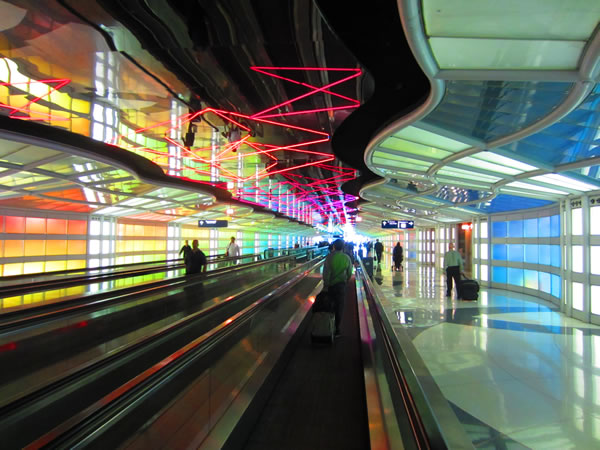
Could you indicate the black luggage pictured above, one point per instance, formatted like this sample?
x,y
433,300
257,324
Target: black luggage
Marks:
x,y
468,289
323,320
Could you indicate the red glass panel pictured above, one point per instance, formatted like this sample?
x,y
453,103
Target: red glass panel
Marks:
x,y
77,227
15,224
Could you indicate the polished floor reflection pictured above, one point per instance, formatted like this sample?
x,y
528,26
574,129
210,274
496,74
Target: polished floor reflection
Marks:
x,y
518,373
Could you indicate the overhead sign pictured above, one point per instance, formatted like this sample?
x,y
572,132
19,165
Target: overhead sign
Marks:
x,y
212,223
402,224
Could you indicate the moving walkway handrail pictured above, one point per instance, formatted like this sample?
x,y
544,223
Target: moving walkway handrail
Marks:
x,y
50,311
36,286
410,387
79,429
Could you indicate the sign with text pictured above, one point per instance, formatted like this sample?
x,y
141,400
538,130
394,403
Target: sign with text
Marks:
x,y
401,224
212,223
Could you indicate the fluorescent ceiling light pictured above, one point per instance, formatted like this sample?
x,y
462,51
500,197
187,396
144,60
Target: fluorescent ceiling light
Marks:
x,y
535,187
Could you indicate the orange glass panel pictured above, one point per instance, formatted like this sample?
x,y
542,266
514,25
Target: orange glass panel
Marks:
x,y
129,230
13,269
138,230
35,225
76,247
1,224
13,248
56,226
120,229
56,247
33,267
35,247
53,266
15,224
77,227
1,250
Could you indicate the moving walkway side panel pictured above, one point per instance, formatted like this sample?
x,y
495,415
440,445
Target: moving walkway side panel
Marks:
x,y
199,390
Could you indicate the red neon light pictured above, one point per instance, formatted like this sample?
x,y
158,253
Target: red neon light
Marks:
x,y
308,111
60,82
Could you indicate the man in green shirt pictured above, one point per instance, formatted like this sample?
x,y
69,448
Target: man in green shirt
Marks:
x,y
453,264
337,270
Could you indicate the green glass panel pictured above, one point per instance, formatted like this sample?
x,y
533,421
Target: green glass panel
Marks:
x,y
452,172
420,159
461,53
515,19
414,148
402,165
428,138
383,159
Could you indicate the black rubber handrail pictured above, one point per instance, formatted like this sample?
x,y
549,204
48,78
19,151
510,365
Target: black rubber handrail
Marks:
x,y
36,286
77,430
19,319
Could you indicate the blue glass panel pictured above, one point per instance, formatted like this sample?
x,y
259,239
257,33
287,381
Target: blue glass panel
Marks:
x,y
555,255
544,254
515,228
499,274
515,276
531,253
503,203
545,283
555,225
515,252
487,110
499,252
571,139
531,279
556,285
498,229
530,228
544,226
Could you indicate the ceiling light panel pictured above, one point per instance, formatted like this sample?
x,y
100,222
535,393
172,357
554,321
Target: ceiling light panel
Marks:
x,y
563,181
413,148
535,187
486,165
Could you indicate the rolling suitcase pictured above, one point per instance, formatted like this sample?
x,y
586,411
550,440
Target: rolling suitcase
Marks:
x,y
323,320
468,289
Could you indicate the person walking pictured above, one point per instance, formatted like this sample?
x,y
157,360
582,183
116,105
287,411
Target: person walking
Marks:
x,y
185,249
398,256
337,270
378,250
233,250
195,260
453,263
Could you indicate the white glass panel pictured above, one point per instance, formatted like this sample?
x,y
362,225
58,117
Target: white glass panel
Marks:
x,y
476,251
106,228
595,260
578,341
475,231
484,272
442,234
577,222
596,350
515,19
453,233
483,230
484,251
461,53
94,247
595,302
106,246
595,220
577,296
562,181
577,255
95,227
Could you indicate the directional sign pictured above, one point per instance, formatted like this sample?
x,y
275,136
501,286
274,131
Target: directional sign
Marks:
x,y
212,223
402,224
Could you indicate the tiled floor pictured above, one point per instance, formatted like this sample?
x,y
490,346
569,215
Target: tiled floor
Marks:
x,y
518,373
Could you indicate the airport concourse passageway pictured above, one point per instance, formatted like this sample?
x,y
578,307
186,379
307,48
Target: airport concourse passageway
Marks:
x,y
516,372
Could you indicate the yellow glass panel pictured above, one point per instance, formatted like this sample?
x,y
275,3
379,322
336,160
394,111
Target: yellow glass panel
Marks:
x,y
138,230
160,245
35,225
80,126
148,246
138,246
15,224
81,106
33,267
56,226
54,266
11,302
13,269
130,246
35,247
13,248
56,247
76,247
120,229
120,246
76,264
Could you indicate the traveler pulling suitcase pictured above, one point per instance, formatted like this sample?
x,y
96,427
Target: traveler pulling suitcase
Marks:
x,y
468,289
323,320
